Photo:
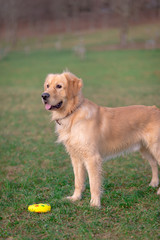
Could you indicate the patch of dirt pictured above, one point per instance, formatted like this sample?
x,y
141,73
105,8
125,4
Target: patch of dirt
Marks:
x,y
12,171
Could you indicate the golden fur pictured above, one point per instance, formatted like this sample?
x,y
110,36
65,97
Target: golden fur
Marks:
x,y
92,133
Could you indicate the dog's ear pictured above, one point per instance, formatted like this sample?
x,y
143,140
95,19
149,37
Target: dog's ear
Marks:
x,y
74,84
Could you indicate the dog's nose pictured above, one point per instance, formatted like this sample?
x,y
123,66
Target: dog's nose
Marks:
x,y
45,95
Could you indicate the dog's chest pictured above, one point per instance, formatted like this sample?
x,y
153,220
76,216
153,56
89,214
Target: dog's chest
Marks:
x,y
72,136
63,132
75,141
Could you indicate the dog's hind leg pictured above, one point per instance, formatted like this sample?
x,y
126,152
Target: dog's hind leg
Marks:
x,y
153,163
155,150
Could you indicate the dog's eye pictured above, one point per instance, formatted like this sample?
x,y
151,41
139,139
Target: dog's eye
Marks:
x,y
47,85
58,86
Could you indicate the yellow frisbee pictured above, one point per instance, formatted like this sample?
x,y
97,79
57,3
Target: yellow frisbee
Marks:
x,y
39,208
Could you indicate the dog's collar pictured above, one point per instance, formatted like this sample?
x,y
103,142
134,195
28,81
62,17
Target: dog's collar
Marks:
x,y
69,114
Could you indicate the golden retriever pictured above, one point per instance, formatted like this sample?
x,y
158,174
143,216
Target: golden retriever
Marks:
x,y
92,133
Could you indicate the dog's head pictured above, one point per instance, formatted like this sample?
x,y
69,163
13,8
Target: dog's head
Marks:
x,y
60,90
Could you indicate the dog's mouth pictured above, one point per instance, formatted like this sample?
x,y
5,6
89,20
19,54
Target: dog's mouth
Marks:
x,y
52,107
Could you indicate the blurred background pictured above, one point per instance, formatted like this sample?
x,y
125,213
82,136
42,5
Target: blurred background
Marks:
x,y
71,24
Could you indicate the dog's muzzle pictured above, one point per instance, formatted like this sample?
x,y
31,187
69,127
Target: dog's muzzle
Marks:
x,y
45,97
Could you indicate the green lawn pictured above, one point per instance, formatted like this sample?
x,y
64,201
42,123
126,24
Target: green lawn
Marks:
x,y
35,169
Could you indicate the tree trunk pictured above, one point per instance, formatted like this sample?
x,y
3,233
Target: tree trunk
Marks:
x,y
124,31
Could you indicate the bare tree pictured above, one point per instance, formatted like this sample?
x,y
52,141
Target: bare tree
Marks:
x,y
123,9
10,16
127,10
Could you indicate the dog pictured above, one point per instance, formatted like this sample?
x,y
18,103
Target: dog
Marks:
x,y
92,133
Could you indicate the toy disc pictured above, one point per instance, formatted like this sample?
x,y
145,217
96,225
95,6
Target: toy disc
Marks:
x,y
39,208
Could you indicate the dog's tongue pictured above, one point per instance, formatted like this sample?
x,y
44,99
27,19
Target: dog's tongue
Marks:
x,y
47,106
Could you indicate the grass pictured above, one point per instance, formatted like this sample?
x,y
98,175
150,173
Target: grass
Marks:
x,y
35,169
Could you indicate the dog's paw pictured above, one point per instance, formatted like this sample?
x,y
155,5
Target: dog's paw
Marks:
x,y
95,203
154,183
158,192
73,198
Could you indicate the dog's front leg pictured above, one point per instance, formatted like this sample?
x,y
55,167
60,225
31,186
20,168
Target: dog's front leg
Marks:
x,y
93,166
79,174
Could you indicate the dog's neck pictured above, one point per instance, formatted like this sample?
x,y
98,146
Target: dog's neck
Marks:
x,y
74,105
69,114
